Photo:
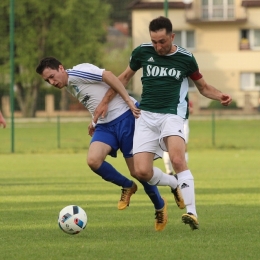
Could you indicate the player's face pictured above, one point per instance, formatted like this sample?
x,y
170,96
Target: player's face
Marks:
x,y
57,78
162,42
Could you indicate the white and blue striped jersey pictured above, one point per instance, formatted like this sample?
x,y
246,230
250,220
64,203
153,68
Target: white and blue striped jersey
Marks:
x,y
85,83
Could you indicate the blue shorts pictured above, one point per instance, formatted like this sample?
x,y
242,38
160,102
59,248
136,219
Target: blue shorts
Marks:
x,y
118,134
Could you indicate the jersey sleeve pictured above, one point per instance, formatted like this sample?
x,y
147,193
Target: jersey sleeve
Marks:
x,y
135,63
195,75
85,73
193,69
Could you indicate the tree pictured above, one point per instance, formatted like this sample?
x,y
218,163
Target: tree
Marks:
x,y
120,11
72,31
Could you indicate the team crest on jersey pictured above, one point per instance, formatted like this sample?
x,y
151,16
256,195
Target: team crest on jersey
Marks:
x,y
76,88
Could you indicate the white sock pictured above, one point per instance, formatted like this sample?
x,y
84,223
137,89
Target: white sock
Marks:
x,y
162,179
167,163
186,184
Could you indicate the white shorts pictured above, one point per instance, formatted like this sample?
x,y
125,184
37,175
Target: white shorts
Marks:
x,y
151,128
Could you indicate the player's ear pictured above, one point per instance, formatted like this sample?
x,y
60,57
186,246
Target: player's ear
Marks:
x,y
173,35
61,68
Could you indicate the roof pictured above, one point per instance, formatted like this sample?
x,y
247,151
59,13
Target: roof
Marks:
x,y
138,4
251,3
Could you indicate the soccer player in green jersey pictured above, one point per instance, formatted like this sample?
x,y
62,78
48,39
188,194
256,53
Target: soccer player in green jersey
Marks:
x,y
164,107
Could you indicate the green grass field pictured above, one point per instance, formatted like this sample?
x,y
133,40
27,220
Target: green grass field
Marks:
x,y
39,180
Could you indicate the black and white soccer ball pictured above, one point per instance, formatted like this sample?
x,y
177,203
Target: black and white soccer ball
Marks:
x,y
72,219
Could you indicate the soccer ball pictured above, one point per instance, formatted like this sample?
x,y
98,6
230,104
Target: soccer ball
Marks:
x,y
72,219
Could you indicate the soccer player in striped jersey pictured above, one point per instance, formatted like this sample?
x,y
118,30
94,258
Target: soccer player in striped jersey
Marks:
x,y
164,107
114,129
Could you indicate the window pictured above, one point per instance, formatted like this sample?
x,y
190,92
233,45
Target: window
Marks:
x,y
218,10
185,39
250,81
250,39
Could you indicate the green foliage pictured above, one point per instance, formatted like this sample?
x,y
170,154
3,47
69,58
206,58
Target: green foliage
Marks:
x,y
120,11
37,186
73,31
116,60
217,105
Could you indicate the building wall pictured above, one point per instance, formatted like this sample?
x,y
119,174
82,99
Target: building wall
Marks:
x,y
217,47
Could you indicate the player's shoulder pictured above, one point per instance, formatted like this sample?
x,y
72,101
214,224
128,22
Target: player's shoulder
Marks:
x,y
143,50
183,51
85,71
144,46
85,66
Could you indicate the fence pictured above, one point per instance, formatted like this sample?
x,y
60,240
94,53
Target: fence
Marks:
x,y
115,31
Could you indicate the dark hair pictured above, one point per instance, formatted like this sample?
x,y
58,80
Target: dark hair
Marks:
x,y
48,62
159,23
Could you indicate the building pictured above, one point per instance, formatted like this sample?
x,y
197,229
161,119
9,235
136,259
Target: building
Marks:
x,y
223,35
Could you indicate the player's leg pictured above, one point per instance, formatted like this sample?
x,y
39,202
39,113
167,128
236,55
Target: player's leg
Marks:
x,y
125,133
167,163
146,149
104,142
159,203
176,148
96,160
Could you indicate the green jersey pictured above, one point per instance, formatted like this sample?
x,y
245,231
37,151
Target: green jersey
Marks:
x,y
164,80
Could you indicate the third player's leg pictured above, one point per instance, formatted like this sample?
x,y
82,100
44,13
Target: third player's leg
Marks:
x,y
176,150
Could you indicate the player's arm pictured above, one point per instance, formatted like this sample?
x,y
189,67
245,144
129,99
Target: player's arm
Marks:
x,y
2,120
109,78
190,107
101,109
209,91
126,76
91,129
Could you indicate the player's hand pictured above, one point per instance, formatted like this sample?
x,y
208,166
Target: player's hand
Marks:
x,y
91,129
101,111
136,111
225,100
2,121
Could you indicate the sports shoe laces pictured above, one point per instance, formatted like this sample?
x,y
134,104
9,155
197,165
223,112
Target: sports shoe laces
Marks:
x,y
159,216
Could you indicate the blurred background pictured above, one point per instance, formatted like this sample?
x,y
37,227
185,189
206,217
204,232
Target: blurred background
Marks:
x,y
223,35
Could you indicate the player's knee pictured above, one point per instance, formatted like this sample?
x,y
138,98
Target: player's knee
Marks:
x,y
93,163
178,163
133,174
142,175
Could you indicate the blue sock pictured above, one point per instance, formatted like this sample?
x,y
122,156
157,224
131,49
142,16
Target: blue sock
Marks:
x,y
109,173
154,195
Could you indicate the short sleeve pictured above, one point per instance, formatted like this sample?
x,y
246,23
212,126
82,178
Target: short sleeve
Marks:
x,y
135,62
193,66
